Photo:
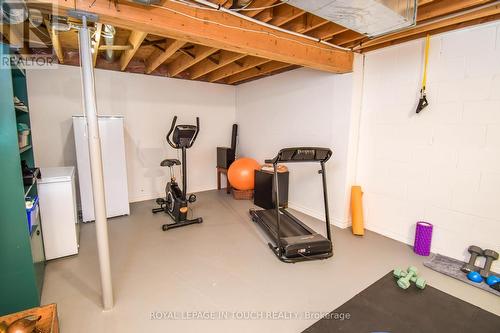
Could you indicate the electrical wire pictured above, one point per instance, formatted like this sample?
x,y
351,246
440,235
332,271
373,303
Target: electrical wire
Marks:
x,y
259,8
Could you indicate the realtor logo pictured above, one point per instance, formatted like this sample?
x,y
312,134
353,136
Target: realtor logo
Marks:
x,y
28,32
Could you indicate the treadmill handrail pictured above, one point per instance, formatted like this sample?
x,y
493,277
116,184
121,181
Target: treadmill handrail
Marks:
x,y
286,155
279,158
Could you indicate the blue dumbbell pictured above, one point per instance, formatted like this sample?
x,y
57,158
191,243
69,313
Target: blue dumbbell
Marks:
x,y
475,277
492,279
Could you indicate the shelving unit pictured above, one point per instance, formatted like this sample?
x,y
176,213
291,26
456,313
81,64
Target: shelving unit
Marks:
x,y
21,252
18,109
26,148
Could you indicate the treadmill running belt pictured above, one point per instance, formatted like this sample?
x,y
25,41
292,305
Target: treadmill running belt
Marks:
x,y
288,228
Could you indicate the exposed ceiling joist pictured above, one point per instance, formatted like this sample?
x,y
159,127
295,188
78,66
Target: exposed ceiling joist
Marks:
x,y
258,4
305,23
56,42
284,14
439,8
183,62
135,39
346,37
158,57
235,68
97,36
14,34
327,31
256,71
206,66
115,47
215,29
266,15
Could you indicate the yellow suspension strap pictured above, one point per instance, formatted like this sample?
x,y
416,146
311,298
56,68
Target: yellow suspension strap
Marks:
x,y
422,103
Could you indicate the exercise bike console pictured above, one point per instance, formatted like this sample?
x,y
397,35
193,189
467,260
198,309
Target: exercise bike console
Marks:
x,y
175,202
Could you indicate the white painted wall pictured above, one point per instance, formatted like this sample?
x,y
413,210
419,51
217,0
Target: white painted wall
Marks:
x,y
300,108
148,104
443,165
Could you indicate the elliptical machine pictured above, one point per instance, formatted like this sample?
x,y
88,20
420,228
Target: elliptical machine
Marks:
x,y
175,202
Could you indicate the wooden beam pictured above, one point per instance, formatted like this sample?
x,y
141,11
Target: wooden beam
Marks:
x,y
212,28
327,31
135,39
425,2
256,71
95,48
224,3
265,16
158,57
493,10
258,4
284,14
440,8
14,33
56,42
183,62
206,66
235,68
305,23
346,37
116,47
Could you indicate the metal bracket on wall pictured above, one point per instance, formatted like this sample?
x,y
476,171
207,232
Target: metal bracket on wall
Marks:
x,y
80,14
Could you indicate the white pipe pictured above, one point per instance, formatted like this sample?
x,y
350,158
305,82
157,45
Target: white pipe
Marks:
x,y
251,19
90,109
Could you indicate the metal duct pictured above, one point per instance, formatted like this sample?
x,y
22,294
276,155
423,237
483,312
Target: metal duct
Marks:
x,y
368,17
109,36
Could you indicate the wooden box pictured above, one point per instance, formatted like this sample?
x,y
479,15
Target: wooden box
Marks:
x,y
47,324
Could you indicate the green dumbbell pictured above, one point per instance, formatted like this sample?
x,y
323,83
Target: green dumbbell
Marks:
x,y
404,278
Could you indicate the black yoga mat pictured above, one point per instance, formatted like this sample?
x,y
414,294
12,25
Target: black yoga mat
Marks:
x,y
384,307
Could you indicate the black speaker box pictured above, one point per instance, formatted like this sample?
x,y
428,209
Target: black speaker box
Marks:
x,y
263,194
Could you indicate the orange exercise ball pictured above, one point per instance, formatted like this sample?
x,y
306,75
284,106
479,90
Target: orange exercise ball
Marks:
x,y
241,173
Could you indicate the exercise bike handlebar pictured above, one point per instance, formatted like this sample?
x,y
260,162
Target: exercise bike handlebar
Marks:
x,y
197,130
170,132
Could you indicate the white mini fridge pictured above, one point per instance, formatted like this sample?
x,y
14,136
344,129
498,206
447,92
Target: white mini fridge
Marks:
x,y
58,211
114,166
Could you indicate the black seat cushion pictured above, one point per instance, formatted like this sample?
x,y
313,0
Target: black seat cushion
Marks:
x,y
170,162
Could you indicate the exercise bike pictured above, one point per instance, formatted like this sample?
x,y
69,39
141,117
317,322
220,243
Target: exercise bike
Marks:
x,y
175,202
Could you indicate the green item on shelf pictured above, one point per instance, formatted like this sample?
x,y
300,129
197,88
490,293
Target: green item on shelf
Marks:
x,y
21,127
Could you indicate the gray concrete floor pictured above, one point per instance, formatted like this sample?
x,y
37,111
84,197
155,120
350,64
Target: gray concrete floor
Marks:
x,y
223,268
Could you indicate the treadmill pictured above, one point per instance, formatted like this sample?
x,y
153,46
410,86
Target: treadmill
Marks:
x,y
294,241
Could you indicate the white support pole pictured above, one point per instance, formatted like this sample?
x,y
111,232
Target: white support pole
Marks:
x,y
101,224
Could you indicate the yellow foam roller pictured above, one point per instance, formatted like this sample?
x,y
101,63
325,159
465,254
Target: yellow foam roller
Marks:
x,y
358,226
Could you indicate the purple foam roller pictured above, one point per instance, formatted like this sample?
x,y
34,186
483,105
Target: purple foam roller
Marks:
x,y
423,238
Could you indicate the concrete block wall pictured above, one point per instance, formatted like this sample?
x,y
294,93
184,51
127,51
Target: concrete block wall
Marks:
x,y
442,165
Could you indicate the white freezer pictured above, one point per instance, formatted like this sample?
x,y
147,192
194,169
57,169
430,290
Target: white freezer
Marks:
x,y
114,166
59,217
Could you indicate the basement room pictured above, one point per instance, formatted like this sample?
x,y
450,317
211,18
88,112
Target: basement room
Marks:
x,y
249,166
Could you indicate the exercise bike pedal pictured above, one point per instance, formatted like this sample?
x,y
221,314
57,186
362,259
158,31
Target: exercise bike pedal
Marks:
x,y
192,198
160,201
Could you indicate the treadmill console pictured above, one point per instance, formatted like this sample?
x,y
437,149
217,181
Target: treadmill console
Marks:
x,y
304,154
